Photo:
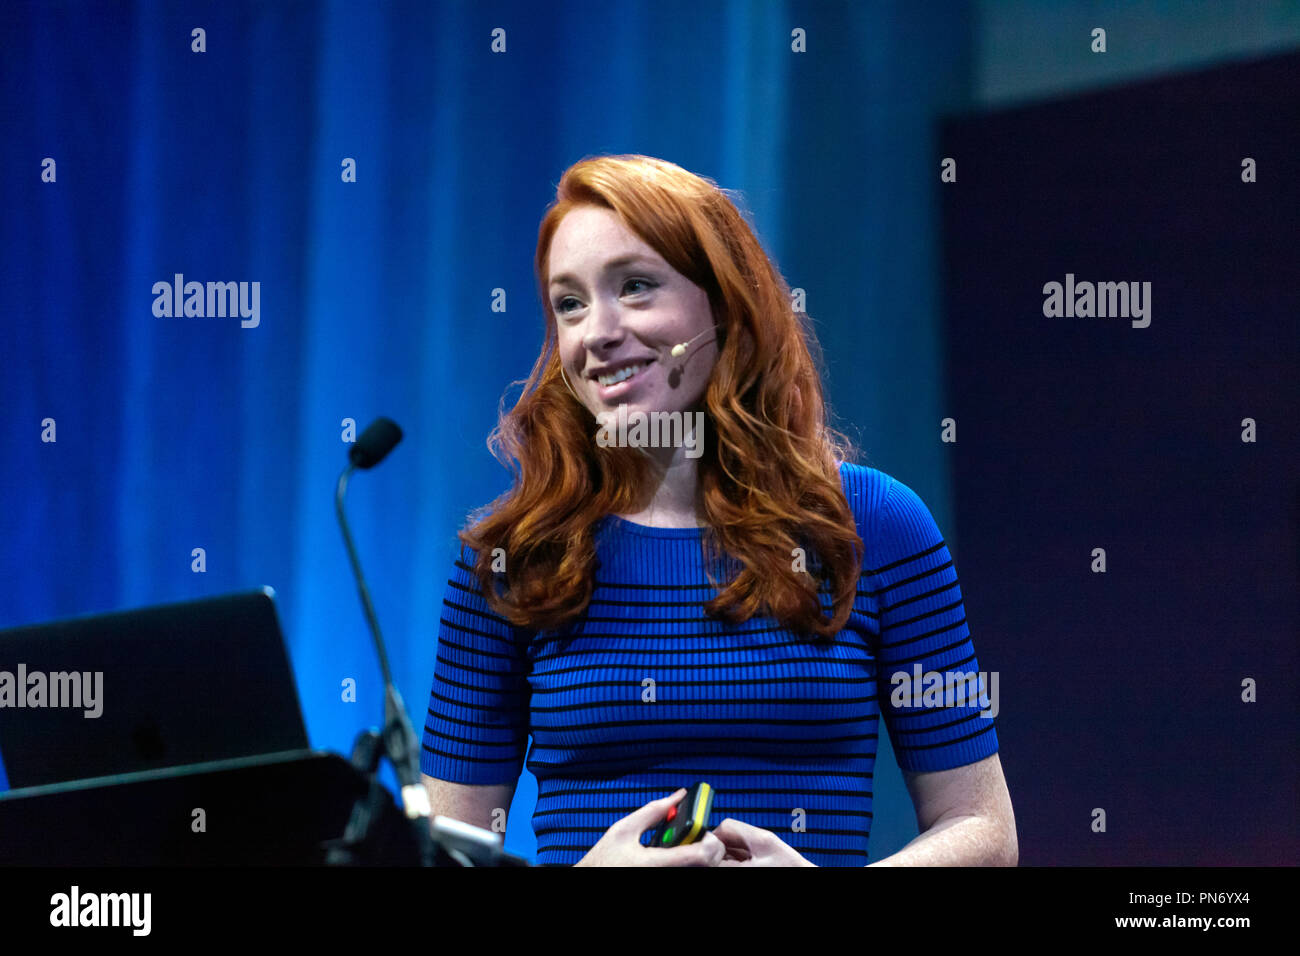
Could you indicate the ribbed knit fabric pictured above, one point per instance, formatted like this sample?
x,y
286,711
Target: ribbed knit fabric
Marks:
x,y
645,694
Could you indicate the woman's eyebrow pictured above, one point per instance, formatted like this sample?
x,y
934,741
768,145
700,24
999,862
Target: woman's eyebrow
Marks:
x,y
568,278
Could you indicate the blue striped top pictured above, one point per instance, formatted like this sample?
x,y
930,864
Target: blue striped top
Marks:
x,y
644,694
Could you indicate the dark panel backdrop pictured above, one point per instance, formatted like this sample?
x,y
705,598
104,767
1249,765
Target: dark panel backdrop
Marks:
x,y
1123,691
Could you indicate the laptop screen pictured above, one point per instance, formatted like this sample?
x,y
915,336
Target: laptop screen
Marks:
x,y
141,689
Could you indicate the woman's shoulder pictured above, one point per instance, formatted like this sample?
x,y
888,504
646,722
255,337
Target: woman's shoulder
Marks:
x,y
865,489
892,518
863,475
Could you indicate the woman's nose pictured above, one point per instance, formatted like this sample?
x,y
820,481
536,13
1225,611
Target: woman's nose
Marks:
x,y
604,327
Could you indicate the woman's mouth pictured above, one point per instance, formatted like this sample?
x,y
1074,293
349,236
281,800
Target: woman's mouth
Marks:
x,y
617,383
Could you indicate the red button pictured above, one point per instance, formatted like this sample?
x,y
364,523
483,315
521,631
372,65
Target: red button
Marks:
x,y
672,812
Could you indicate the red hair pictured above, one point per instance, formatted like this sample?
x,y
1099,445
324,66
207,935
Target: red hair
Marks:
x,y
769,473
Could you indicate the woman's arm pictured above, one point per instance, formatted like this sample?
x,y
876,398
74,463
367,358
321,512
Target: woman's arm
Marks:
x,y
964,816
486,806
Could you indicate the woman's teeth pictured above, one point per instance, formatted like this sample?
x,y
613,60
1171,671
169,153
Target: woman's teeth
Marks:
x,y
621,375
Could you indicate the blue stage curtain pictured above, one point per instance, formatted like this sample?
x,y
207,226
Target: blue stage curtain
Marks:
x,y
376,297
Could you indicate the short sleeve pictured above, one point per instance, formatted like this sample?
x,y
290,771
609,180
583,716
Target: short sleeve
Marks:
x,y
938,705
476,728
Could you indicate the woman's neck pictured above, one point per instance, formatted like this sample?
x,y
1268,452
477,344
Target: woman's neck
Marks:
x,y
673,503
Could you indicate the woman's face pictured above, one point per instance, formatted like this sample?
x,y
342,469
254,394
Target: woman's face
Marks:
x,y
619,305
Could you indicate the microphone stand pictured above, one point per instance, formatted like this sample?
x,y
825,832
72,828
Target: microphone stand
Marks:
x,y
439,841
397,741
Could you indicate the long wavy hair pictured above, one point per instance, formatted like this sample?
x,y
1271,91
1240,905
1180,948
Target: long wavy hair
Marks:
x,y
769,470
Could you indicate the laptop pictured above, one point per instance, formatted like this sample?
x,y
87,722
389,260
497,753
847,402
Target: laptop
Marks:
x,y
148,688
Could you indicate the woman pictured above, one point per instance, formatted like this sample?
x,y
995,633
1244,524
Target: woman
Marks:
x,y
688,580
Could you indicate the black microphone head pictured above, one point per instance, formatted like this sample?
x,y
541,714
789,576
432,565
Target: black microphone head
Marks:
x,y
379,438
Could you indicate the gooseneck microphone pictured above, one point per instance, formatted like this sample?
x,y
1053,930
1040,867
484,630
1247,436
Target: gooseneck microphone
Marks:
x,y
398,739
379,438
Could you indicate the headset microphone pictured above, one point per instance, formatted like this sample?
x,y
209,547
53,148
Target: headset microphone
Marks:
x,y
679,349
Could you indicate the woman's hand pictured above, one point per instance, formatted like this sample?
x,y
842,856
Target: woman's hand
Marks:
x,y
748,845
621,844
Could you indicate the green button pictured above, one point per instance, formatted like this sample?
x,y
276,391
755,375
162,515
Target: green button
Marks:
x,y
668,835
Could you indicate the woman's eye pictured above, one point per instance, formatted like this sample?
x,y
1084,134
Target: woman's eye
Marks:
x,y
561,308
